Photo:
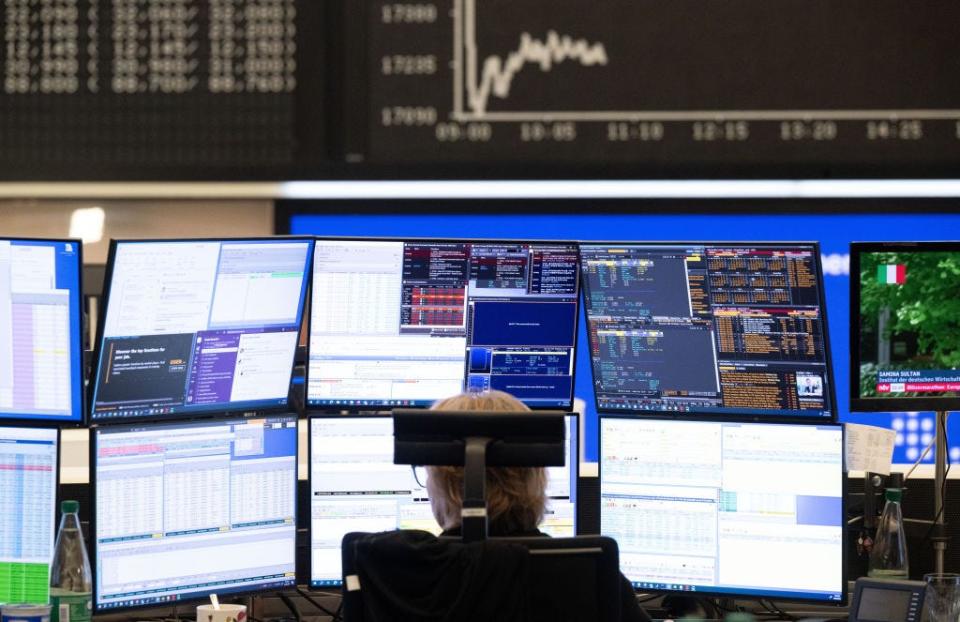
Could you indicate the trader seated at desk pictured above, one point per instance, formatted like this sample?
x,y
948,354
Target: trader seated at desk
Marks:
x,y
516,496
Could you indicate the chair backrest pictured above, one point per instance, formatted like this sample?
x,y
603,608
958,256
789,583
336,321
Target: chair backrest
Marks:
x,y
414,576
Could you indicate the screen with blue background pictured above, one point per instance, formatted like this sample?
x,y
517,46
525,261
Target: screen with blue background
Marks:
x,y
833,231
40,322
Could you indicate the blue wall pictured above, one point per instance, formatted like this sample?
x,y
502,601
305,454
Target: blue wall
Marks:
x,y
833,231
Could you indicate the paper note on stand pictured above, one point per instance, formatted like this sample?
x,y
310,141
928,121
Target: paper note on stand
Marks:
x,y
869,448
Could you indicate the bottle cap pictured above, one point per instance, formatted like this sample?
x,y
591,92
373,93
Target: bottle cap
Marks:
x,y
69,507
895,480
894,494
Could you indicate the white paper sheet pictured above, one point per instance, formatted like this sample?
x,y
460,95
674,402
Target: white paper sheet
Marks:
x,y
869,448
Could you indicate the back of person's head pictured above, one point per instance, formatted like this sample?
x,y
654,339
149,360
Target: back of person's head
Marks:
x,y
516,496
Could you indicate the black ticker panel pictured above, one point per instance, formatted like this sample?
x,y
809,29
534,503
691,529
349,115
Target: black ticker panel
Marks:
x,y
326,89
161,89
806,84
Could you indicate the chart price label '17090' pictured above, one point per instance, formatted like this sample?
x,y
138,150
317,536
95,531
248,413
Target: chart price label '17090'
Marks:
x,y
741,82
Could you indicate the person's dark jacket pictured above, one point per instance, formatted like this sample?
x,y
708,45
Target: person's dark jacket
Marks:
x,y
411,576
407,576
630,610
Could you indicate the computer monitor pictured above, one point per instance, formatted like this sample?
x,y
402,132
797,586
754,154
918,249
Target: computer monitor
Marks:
x,y
41,348
715,329
355,486
751,509
28,495
407,322
199,326
905,326
183,509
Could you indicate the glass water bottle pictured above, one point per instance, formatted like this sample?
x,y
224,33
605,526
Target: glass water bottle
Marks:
x,y
888,559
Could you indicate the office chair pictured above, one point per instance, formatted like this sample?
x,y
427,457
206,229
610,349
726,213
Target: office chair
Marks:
x,y
414,576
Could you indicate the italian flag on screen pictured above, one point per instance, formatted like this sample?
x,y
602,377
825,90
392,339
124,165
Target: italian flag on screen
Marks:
x,y
892,275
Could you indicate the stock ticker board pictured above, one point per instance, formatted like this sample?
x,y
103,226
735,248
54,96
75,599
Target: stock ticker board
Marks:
x,y
96,89
300,89
741,82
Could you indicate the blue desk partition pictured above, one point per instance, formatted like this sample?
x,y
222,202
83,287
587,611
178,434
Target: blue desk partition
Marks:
x,y
833,231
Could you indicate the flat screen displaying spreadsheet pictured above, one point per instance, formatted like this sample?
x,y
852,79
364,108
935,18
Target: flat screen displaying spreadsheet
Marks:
x,y
408,322
200,326
28,496
355,486
41,349
185,509
753,509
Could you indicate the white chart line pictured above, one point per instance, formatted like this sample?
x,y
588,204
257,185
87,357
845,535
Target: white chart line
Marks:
x,y
497,76
498,73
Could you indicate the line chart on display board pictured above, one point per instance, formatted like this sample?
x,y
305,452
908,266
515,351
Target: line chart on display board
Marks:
x,y
743,81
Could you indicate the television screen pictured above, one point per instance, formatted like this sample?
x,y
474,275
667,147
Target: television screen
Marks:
x,y
905,326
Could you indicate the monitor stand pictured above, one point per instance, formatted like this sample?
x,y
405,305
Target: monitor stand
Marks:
x,y
939,537
936,527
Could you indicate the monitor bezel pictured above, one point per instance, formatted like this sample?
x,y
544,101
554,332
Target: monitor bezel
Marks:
x,y
219,411
746,593
318,409
94,540
575,491
44,420
831,397
891,404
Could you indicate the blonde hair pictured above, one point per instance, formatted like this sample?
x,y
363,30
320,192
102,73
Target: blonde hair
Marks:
x,y
516,496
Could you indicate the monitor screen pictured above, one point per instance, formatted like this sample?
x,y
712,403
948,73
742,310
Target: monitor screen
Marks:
x,y
905,326
355,486
41,348
835,223
405,323
886,605
752,509
714,329
199,326
28,497
185,509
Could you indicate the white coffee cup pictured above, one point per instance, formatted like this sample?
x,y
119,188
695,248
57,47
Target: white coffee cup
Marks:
x,y
226,613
